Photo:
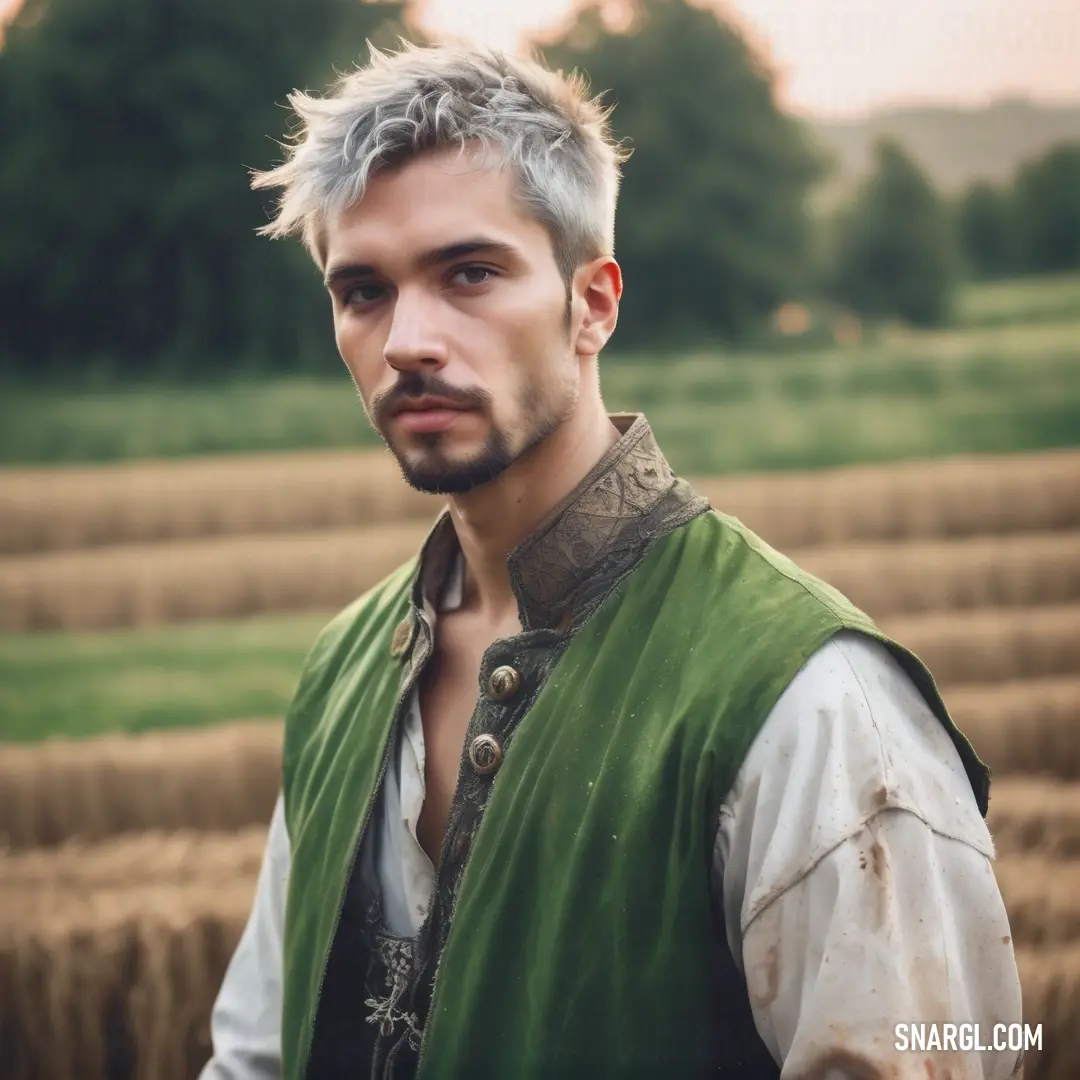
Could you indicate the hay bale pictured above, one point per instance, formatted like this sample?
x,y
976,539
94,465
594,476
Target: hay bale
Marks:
x,y
1042,897
1027,726
119,984
55,509
222,777
914,500
44,879
1031,814
223,578
1050,981
52,509
993,645
913,577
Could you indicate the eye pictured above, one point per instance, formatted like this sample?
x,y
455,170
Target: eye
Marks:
x,y
472,275
363,294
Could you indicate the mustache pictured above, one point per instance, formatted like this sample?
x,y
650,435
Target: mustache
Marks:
x,y
415,383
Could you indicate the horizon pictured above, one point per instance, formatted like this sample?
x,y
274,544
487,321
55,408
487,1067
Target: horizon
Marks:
x,y
841,60
911,105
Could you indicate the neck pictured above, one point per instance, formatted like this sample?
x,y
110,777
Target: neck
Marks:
x,y
493,519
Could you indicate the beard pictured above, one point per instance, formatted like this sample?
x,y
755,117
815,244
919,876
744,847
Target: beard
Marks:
x,y
435,474
432,471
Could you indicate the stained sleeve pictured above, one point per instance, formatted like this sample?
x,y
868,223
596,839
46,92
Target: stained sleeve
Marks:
x,y
245,1024
856,880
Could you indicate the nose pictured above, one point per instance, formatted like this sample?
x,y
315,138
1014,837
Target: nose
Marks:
x,y
414,341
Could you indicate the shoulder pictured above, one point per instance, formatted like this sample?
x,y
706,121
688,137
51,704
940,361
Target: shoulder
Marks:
x,y
849,738
729,565
365,627
378,608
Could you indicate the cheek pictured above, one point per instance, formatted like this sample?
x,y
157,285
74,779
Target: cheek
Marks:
x,y
537,376
531,327
360,352
540,348
346,337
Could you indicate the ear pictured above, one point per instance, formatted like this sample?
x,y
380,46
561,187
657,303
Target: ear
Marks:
x,y
597,289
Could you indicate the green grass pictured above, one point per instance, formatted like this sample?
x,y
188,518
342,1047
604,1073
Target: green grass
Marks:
x,y
139,680
54,425
905,395
1021,300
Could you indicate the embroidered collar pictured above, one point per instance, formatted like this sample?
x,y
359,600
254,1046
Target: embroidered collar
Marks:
x,y
588,542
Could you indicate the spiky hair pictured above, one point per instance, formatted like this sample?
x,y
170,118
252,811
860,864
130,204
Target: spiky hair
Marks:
x,y
542,124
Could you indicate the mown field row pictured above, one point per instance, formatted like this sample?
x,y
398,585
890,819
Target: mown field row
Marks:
x,y
122,985
1029,817
47,884
69,508
144,970
227,777
110,968
215,778
83,887
235,577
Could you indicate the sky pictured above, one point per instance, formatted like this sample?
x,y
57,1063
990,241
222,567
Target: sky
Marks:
x,y
841,58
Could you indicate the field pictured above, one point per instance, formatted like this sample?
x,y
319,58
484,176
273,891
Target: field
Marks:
x,y
131,860
154,616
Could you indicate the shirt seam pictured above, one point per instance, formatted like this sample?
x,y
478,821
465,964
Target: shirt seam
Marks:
x,y
773,895
870,709
863,822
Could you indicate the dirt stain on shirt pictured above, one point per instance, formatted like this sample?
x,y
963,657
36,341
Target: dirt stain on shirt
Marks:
x,y
841,1061
765,981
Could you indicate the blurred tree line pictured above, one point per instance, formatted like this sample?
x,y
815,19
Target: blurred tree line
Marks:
x,y
126,218
1031,225
712,229
127,224
900,248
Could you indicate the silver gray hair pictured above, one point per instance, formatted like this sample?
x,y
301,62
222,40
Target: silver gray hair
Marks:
x,y
543,125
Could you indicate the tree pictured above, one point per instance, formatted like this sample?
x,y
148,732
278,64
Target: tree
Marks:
x,y
896,252
985,228
128,224
712,228
1047,209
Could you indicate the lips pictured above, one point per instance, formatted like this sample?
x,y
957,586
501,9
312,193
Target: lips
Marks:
x,y
429,420
427,404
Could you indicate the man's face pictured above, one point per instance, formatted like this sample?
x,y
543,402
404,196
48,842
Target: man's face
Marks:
x,y
442,286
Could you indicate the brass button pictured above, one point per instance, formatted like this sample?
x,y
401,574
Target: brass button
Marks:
x,y
504,682
402,633
485,754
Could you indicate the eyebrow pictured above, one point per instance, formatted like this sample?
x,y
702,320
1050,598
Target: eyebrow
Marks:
x,y
439,256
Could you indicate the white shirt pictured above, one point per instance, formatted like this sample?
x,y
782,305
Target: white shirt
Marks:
x,y
852,865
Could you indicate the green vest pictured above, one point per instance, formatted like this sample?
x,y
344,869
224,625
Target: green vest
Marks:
x,y
583,941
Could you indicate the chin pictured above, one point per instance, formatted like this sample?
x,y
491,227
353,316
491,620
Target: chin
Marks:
x,y
430,471
450,480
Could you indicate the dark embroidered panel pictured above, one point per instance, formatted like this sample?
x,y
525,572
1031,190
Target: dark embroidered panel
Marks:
x,y
561,573
534,654
391,975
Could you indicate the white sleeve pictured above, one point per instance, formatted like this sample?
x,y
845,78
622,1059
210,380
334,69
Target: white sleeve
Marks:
x,y
855,873
246,1021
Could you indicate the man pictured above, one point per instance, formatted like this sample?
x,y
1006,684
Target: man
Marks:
x,y
596,784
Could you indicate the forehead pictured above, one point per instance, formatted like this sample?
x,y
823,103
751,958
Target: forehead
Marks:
x,y
432,200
